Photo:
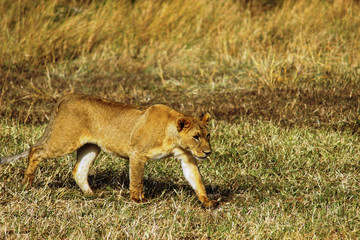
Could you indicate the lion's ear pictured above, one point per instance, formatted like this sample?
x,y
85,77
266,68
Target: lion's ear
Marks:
x,y
182,123
206,118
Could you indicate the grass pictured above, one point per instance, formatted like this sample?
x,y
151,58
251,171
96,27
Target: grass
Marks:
x,y
272,183
280,78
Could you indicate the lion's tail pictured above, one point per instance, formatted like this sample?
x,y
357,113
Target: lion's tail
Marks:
x,y
14,158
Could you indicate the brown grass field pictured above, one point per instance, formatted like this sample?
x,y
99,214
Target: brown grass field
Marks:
x,y
281,79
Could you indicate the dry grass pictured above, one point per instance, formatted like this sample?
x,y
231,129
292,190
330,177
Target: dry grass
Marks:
x,y
140,52
286,44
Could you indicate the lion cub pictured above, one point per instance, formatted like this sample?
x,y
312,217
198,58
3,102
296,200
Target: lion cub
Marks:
x,y
88,124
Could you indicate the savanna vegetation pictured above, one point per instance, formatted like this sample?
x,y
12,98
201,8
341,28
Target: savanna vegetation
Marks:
x,y
281,79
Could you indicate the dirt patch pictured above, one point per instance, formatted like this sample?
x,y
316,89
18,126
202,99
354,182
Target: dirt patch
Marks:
x,y
287,107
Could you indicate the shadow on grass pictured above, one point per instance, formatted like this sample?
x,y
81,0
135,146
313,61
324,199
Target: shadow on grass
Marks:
x,y
154,187
107,182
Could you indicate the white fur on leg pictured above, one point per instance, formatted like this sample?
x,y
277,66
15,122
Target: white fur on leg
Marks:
x,y
85,158
192,174
188,170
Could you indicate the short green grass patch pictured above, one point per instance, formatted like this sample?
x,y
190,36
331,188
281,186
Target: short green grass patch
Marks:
x,y
271,183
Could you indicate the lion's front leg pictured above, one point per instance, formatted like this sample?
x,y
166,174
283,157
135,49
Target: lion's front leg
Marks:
x,y
137,166
192,175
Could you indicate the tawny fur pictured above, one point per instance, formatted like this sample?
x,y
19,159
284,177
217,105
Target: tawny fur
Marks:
x,y
88,123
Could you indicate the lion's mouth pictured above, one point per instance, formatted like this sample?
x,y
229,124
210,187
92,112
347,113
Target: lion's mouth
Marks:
x,y
200,158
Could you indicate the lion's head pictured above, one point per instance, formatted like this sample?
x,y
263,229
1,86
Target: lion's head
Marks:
x,y
194,136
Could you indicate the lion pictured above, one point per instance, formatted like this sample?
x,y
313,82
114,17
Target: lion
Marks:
x,y
87,124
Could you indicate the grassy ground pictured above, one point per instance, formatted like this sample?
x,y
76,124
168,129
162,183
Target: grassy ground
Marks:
x,y
272,183
281,80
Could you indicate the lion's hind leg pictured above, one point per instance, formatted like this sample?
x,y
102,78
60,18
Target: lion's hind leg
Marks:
x,y
35,157
85,158
46,150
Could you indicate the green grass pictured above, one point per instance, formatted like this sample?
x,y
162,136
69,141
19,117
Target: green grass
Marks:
x,y
272,183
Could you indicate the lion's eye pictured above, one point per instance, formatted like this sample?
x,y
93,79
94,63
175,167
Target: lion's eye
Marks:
x,y
196,137
208,136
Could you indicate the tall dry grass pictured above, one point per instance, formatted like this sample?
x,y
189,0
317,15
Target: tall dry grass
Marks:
x,y
286,43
